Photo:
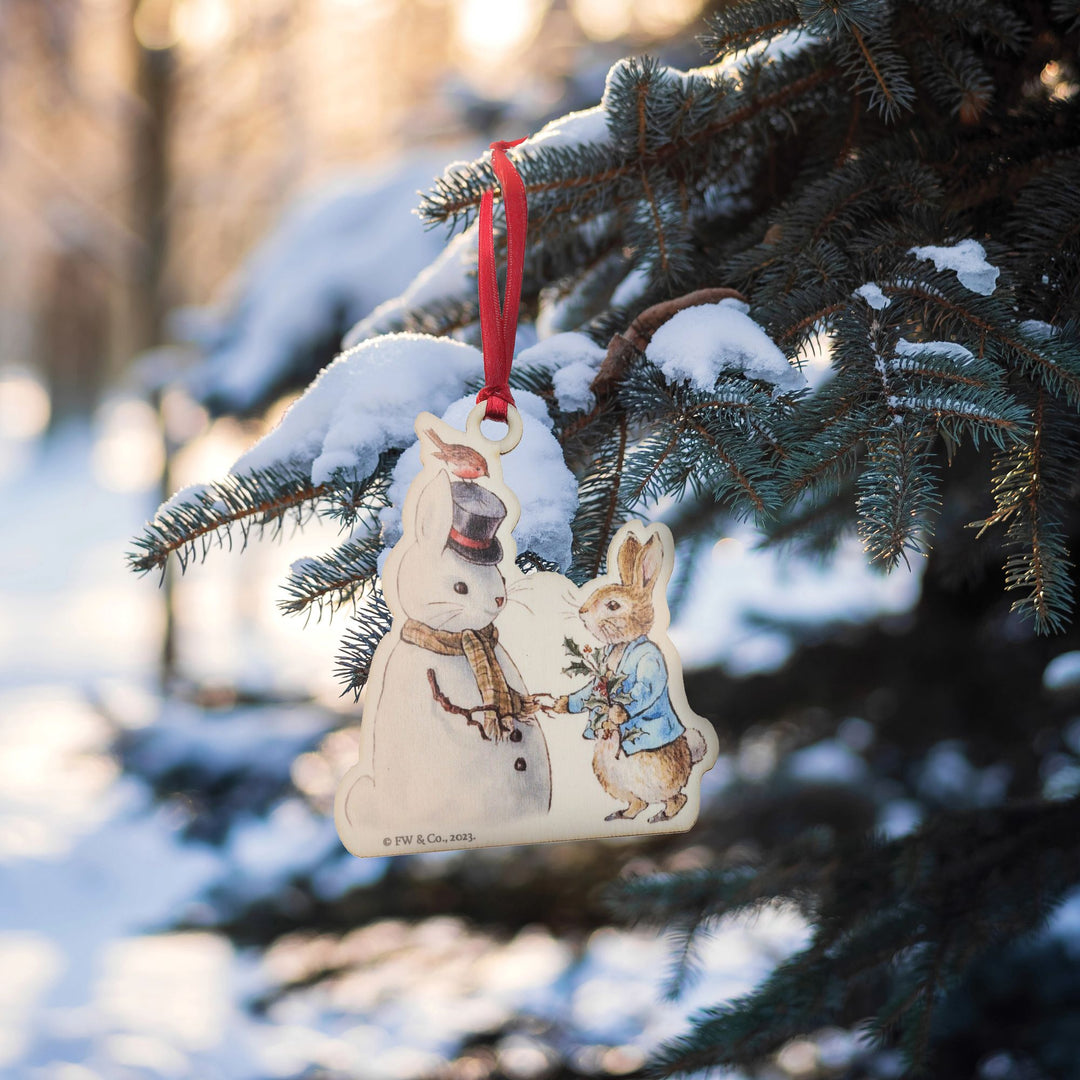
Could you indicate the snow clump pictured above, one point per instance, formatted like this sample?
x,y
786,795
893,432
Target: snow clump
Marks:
x,y
873,295
337,253
704,342
952,349
573,360
1063,672
365,403
968,259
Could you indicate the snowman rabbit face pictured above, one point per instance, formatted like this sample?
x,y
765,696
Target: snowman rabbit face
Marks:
x,y
436,586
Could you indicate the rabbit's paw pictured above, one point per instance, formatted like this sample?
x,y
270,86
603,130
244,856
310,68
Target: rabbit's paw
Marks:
x,y
671,808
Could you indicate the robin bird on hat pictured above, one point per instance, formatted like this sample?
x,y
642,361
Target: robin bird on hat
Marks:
x,y
464,462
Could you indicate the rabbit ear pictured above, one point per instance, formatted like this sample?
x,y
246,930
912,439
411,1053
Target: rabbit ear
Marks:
x,y
628,559
649,562
435,511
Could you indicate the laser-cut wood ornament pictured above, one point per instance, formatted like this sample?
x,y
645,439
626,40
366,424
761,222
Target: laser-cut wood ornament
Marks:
x,y
509,708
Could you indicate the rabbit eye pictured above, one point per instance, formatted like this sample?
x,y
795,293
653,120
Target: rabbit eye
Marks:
x,y
460,588
613,605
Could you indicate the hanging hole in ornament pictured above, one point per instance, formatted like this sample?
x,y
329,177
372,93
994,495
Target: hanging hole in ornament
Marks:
x,y
489,429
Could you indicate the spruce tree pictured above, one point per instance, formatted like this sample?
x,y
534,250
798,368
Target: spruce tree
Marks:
x,y
897,184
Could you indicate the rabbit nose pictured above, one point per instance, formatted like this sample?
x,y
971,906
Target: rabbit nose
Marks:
x,y
499,601
581,610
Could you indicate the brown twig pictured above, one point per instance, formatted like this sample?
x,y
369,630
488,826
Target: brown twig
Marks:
x,y
457,710
623,347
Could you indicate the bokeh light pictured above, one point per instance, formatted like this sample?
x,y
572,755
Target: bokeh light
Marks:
x,y
128,452
24,404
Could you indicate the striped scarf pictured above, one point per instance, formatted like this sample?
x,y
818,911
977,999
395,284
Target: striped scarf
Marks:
x,y
501,702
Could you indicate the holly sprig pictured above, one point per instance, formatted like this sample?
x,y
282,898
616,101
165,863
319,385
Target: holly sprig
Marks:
x,y
606,684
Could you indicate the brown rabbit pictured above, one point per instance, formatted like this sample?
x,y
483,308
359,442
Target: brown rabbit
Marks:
x,y
644,754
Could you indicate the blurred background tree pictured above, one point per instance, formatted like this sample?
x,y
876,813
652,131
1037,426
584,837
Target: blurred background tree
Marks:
x,y
149,147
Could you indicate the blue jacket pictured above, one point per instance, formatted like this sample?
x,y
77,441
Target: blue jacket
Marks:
x,y
652,722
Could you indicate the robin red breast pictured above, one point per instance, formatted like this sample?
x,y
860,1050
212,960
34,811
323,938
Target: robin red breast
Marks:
x,y
464,462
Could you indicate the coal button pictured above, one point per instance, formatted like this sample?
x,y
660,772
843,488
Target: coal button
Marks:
x,y
520,764
515,736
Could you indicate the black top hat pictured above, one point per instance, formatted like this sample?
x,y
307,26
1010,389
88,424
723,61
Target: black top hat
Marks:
x,y
477,516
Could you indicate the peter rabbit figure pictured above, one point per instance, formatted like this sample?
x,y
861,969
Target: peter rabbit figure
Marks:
x,y
644,754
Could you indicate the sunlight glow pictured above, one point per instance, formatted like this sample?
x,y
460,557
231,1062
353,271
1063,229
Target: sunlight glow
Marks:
x,y
171,990
799,1058
30,963
661,17
1056,80
490,29
128,454
24,405
202,24
45,733
728,547
603,20
153,24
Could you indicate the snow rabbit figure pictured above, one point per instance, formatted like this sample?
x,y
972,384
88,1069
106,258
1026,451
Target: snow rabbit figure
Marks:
x,y
448,737
643,754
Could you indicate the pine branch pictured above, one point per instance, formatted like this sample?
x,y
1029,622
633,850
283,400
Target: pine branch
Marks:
x,y
737,27
594,173
918,910
368,626
334,579
896,495
1067,11
879,72
1029,484
599,506
1050,359
196,518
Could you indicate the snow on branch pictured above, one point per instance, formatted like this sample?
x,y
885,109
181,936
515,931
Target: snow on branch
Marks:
x,y
701,343
968,260
336,254
364,404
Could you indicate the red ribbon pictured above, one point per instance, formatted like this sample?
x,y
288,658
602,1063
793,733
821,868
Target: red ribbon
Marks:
x,y
498,324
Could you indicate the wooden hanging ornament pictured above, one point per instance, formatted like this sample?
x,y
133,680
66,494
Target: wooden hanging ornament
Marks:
x,y
504,707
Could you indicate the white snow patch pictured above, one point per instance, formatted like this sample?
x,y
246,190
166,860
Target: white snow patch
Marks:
x,y
1063,672
364,403
948,777
701,343
190,493
899,817
337,252
630,288
586,127
1061,778
450,277
968,259
535,471
829,761
264,852
1036,328
573,360
952,349
732,595
788,44
573,386
1064,924
873,295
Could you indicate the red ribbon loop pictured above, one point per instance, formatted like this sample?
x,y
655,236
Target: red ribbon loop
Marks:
x,y
498,323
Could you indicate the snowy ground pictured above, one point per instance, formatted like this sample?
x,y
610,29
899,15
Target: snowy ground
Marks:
x,y
93,873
